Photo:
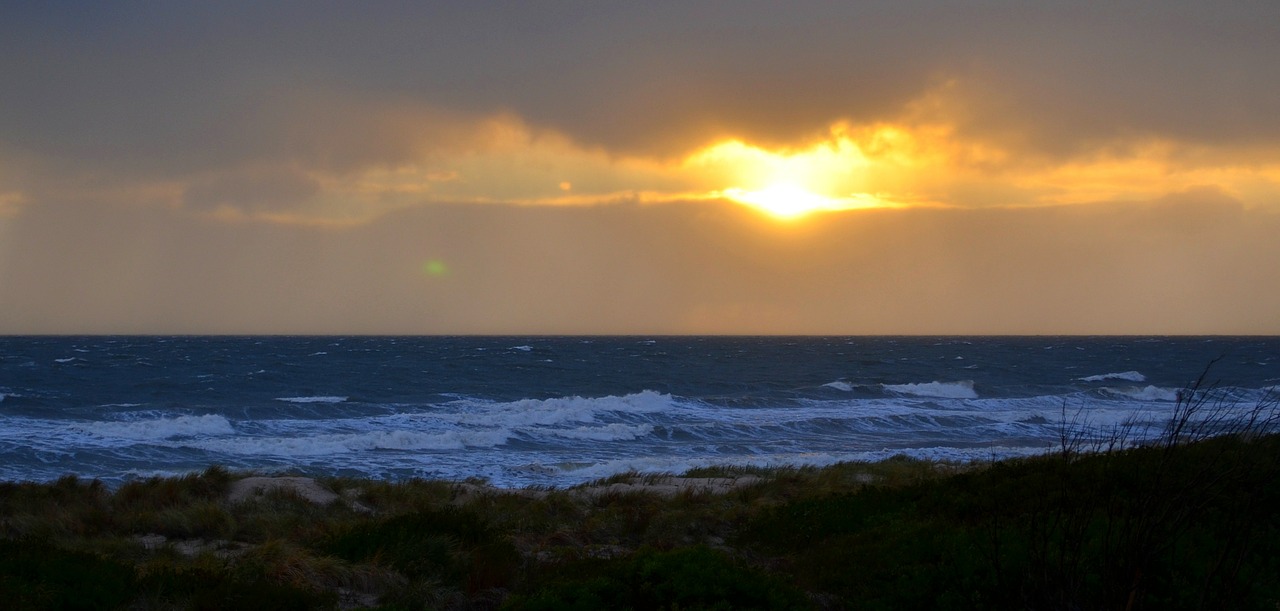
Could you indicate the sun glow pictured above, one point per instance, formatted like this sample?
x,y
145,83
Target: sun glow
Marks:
x,y
785,201
826,176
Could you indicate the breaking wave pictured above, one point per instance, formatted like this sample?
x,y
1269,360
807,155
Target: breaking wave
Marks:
x,y
940,390
611,432
1147,393
161,428
329,444
320,399
1127,376
526,412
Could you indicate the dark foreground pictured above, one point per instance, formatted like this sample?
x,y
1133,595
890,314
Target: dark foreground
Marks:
x,y
1177,525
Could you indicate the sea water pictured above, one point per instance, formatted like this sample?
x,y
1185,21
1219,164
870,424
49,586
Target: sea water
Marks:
x,y
557,411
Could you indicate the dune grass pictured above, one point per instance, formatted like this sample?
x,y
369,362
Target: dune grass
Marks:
x,y
1188,521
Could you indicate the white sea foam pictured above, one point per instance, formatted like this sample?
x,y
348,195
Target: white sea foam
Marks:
x,y
1147,393
941,390
1128,376
148,473
66,360
839,385
526,412
611,432
522,348
320,399
162,428
320,445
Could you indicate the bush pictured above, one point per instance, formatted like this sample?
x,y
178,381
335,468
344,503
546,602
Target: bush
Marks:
x,y
451,545
204,588
1180,526
690,579
36,575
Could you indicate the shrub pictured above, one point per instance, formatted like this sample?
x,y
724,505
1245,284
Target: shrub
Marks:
x,y
453,545
691,579
1177,526
36,575
204,588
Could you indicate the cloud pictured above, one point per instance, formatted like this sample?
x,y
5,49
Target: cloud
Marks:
x,y
343,160
162,87
253,189
335,115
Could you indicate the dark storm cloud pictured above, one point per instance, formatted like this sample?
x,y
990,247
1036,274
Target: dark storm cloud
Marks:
x,y
165,85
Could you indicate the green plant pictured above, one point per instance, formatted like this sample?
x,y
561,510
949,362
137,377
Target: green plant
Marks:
x,y
695,578
37,575
452,545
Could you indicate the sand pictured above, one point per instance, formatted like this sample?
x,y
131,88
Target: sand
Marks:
x,y
305,487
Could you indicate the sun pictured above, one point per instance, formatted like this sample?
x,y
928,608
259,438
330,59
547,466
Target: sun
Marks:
x,y
790,183
784,200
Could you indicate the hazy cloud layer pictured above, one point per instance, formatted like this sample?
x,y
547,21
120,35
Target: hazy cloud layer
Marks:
x,y
1195,263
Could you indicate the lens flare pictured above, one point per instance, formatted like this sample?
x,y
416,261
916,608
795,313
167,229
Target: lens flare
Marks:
x,y
435,268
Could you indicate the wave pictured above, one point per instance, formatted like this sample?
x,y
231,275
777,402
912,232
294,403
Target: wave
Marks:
x,y
1127,376
463,424
321,445
1148,393
526,412
940,390
612,432
319,399
839,385
162,428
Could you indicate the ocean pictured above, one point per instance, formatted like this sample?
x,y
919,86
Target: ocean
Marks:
x,y
558,411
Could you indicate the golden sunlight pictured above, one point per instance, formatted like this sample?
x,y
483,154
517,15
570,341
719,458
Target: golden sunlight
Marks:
x,y
784,201
826,176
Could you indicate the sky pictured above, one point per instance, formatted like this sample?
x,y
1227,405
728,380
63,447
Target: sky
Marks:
x,y
655,167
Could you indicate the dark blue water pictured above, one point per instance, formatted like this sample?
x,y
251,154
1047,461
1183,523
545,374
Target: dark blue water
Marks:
x,y
562,410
